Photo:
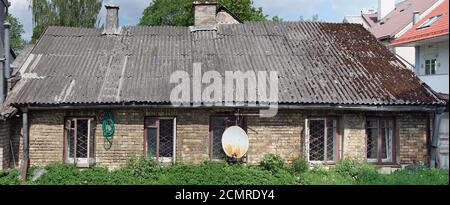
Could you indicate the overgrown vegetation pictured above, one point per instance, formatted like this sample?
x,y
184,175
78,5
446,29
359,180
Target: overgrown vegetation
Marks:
x,y
272,170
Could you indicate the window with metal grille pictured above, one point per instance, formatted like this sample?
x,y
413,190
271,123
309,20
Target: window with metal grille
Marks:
x,y
80,141
218,125
160,137
379,139
321,140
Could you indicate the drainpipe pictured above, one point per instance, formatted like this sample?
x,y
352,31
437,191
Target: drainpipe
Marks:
x,y
25,161
7,70
5,73
435,139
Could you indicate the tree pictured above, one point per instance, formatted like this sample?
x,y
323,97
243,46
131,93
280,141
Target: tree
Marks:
x,y
180,12
17,43
277,19
73,13
314,18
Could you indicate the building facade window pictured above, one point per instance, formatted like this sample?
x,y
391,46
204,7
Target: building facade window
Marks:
x,y
380,141
430,67
80,141
160,138
322,140
218,125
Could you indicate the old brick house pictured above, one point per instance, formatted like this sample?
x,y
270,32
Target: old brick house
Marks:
x,y
339,97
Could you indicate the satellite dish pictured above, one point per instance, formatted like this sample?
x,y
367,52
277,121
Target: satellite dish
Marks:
x,y
235,142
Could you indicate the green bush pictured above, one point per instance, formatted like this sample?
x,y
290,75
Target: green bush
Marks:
x,y
143,167
9,178
272,163
272,171
299,165
209,173
422,176
320,176
362,172
59,174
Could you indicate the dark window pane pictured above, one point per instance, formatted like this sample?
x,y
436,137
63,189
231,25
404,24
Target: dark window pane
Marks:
x,y
166,138
218,127
316,140
372,143
82,139
151,142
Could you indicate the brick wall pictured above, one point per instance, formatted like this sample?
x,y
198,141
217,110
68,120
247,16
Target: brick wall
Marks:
x,y
4,144
282,135
413,138
354,142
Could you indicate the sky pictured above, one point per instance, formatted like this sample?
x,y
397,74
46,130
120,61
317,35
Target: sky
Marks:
x,y
289,10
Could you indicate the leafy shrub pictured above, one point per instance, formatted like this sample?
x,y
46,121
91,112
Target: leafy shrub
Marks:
x,y
272,163
422,176
360,171
60,174
299,165
9,178
143,167
321,176
209,173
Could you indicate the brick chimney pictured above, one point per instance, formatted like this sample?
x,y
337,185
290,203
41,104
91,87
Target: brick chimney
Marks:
x,y
205,12
112,20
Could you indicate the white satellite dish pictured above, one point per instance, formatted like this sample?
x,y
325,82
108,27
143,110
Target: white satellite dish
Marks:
x,y
235,142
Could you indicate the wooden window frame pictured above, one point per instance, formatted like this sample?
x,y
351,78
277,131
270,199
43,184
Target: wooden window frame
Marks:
x,y
394,139
174,149
90,160
337,140
211,131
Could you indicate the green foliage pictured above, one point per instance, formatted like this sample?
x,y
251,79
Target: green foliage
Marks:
x,y
9,178
74,13
299,165
223,174
272,162
59,174
145,171
181,12
143,167
17,43
421,176
320,176
314,18
360,171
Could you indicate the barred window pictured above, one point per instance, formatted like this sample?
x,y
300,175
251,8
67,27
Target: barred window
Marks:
x,y
80,141
160,134
322,140
379,139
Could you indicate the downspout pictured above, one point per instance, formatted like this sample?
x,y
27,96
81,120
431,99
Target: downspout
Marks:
x,y
7,70
435,139
25,161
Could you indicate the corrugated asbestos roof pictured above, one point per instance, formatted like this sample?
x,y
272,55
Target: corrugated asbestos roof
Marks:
x,y
317,63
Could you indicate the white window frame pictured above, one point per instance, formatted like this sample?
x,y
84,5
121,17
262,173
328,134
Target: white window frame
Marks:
x,y
431,67
174,147
89,160
430,21
335,140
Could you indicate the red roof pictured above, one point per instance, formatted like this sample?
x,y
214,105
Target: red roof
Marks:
x,y
437,29
397,19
